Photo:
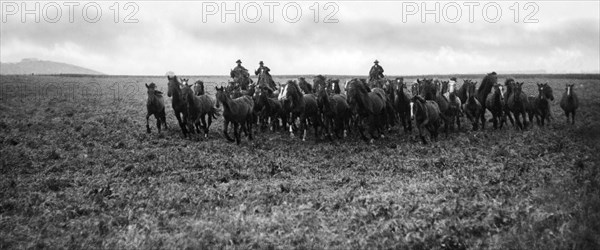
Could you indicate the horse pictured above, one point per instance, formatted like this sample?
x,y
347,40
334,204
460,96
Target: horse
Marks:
x,y
333,87
177,103
198,107
155,106
462,91
270,108
265,81
305,86
472,108
238,111
483,91
495,104
199,87
427,116
509,84
402,105
389,88
548,94
334,109
370,106
427,89
518,104
454,111
378,83
302,106
569,103
538,106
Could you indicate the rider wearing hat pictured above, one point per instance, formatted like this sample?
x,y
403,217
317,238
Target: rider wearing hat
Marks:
x,y
241,69
268,81
376,72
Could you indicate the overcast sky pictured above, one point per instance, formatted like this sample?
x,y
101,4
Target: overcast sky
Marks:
x,y
172,36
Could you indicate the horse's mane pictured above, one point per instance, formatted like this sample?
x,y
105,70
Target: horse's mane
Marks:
x,y
360,85
297,95
487,83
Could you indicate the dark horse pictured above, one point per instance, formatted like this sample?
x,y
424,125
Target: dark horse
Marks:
x,y
483,91
270,108
155,106
199,87
427,116
471,108
177,103
569,103
402,105
518,104
539,107
238,111
495,104
334,109
305,86
333,86
198,108
301,106
548,94
370,106
454,111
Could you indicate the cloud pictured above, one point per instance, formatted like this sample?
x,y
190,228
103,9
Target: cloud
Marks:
x,y
173,37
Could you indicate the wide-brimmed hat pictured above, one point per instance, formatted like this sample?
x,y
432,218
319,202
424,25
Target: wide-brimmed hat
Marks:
x,y
376,61
261,62
238,61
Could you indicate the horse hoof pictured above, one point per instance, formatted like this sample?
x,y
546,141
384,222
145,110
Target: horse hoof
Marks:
x,y
382,136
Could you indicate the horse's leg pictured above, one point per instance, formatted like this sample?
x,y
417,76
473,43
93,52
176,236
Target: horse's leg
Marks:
x,y
236,132
148,125
225,126
157,122
181,125
249,128
573,117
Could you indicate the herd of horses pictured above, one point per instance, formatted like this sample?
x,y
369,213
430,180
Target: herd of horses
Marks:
x,y
369,108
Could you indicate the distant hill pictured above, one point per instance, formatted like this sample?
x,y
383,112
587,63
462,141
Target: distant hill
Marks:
x,y
34,66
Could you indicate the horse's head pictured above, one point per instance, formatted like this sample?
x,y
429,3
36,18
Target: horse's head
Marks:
x,y
199,87
221,96
186,93
355,88
569,89
174,85
548,93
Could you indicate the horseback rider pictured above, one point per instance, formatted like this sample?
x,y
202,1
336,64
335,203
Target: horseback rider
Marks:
x,y
265,83
376,72
243,72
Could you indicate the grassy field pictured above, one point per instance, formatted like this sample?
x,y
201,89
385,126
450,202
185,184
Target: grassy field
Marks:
x,y
78,170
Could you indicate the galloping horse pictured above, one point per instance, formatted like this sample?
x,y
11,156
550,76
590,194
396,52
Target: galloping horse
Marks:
x,y
301,106
370,106
569,103
454,111
199,87
179,106
305,86
471,107
155,106
548,94
427,116
402,105
334,109
538,106
495,104
270,108
198,107
484,89
238,111
517,104
333,86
